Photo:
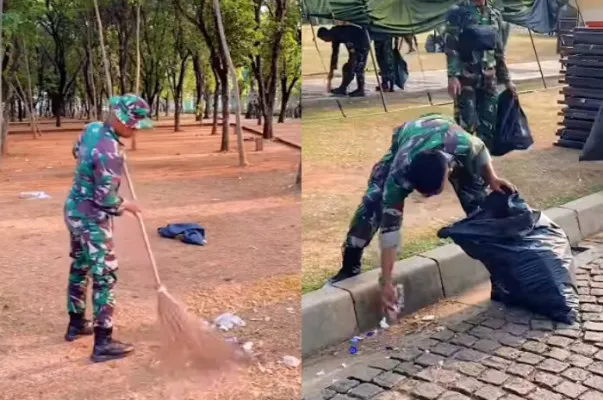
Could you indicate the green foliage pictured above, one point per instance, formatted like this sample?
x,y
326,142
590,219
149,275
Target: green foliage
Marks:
x,y
291,45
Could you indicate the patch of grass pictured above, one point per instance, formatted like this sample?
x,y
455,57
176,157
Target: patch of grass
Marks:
x,y
397,102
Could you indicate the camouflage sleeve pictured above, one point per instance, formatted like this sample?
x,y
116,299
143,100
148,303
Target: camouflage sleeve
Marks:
x,y
477,155
394,194
76,147
108,165
502,72
451,39
334,55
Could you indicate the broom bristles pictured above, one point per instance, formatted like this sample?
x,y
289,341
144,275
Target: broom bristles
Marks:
x,y
188,343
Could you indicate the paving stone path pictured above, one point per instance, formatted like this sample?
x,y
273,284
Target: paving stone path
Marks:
x,y
500,354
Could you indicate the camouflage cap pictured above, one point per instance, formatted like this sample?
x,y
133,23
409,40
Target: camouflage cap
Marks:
x,y
132,111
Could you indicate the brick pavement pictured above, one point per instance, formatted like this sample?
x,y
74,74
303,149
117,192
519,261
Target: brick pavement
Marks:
x,y
499,354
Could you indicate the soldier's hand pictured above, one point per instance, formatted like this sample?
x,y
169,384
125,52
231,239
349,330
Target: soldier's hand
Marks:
x,y
454,87
389,300
502,186
131,207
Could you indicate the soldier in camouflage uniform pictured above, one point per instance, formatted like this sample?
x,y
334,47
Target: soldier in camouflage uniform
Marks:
x,y
89,210
473,79
424,154
384,53
357,44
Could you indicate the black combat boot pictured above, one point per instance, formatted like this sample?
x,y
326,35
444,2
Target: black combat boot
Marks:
x,y
106,348
78,326
360,91
340,91
351,265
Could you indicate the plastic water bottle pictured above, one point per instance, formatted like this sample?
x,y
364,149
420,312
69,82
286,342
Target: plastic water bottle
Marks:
x,y
354,346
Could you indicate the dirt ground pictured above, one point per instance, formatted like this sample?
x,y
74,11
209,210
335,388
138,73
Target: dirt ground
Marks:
x,y
519,50
339,154
250,266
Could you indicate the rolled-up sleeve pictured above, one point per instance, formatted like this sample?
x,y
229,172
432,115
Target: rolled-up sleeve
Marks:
x,y
478,155
451,39
394,194
108,165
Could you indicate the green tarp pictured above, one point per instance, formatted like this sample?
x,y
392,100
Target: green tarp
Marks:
x,y
399,17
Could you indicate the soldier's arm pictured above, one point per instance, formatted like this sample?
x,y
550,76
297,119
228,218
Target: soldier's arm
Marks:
x,y
390,236
76,147
452,31
478,159
107,176
334,56
502,72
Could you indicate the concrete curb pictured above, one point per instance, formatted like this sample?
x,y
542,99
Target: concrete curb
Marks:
x,y
332,315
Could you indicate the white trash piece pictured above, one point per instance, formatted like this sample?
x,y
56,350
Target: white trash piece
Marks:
x,y
291,361
34,195
228,321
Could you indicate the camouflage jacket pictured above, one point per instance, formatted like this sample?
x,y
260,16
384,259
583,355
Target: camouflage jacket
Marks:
x,y
354,39
430,132
94,194
463,15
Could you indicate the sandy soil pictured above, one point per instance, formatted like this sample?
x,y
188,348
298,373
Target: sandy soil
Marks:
x,y
250,266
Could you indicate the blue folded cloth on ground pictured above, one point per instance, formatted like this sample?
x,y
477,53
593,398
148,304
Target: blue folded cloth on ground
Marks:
x,y
186,233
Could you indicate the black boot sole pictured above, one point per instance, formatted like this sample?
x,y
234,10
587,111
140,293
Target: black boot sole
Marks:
x,y
101,358
71,338
337,279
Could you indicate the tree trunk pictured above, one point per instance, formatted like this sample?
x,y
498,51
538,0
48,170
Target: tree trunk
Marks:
x,y
103,50
233,73
225,146
285,96
20,110
198,87
178,95
57,107
280,14
206,101
138,48
158,102
284,100
214,127
137,88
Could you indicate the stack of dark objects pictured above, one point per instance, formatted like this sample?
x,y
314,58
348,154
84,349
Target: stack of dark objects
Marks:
x,y
583,95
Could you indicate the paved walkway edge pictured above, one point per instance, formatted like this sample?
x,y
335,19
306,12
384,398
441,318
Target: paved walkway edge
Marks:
x,y
332,315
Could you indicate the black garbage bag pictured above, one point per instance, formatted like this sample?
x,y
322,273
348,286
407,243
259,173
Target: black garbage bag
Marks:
x,y
400,69
528,256
512,129
593,148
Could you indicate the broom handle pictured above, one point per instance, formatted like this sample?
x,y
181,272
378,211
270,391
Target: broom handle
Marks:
x,y
147,243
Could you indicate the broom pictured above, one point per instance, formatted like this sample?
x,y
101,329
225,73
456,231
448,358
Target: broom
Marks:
x,y
187,338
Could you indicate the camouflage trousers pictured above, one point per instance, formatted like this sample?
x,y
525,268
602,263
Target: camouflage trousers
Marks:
x,y
470,190
385,58
475,107
92,254
354,67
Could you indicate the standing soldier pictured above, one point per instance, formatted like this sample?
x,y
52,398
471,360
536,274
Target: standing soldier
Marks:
x,y
89,210
385,59
476,64
357,44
